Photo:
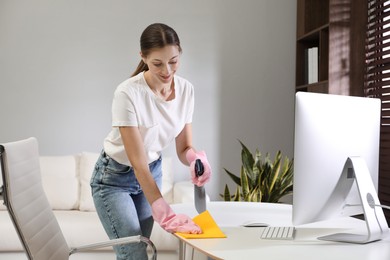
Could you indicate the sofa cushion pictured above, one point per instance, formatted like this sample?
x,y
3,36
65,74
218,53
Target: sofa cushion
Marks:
x,y
9,240
79,228
60,181
167,180
86,167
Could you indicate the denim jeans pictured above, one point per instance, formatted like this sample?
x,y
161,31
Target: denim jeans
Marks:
x,y
121,204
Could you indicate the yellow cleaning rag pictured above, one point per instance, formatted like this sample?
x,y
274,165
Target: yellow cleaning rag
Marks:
x,y
210,229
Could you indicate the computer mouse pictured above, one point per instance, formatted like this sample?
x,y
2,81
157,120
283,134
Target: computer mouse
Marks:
x,y
254,224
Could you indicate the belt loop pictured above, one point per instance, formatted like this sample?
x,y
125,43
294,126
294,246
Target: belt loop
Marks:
x,y
104,155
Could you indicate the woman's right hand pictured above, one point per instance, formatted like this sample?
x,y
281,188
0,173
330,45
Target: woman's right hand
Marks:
x,y
171,222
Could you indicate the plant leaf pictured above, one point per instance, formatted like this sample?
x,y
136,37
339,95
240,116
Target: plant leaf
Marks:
x,y
237,196
226,194
255,195
266,178
275,171
236,179
247,162
261,180
244,184
286,182
257,167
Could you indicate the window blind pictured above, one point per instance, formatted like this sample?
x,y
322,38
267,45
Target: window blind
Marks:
x,y
377,84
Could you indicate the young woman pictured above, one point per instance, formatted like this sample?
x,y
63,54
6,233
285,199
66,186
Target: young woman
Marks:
x,y
150,110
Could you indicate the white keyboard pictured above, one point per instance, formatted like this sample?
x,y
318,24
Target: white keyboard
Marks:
x,y
283,233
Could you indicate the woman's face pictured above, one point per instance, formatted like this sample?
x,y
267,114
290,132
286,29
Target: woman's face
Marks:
x,y
163,63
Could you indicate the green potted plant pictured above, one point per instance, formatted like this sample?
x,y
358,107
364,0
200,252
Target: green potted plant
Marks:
x,y
261,180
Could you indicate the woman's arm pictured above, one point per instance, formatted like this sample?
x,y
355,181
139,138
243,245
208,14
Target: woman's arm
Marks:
x,y
188,155
184,143
161,211
135,151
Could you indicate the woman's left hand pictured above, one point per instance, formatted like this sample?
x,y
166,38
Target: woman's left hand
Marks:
x,y
192,157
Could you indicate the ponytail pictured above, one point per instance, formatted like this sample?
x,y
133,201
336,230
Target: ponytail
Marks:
x,y
142,66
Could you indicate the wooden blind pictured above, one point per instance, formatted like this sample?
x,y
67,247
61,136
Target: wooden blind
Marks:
x,y
377,84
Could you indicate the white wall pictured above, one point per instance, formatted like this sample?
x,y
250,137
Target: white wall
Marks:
x,y
60,62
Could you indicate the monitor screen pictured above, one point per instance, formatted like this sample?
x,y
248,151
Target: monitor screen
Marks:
x,y
328,130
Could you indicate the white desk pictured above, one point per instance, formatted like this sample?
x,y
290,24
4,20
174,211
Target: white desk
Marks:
x,y
245,243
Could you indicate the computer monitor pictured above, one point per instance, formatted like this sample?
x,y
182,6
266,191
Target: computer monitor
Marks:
x,y
336,140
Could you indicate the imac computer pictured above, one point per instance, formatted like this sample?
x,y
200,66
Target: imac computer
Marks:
x,y
336,156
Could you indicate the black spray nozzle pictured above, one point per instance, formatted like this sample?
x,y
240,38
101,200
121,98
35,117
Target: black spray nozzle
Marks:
x,y
199,168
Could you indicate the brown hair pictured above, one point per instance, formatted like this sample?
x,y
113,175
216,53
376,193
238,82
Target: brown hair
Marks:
x,y
156,35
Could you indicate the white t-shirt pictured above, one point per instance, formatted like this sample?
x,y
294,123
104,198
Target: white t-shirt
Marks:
x,y
159,121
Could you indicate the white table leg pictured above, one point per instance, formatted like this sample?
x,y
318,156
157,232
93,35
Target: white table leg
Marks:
x,y
182,250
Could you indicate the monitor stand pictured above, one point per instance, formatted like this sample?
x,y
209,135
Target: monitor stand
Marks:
x,y
375,220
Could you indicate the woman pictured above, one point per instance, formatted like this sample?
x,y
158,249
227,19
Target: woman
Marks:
x,y
149,111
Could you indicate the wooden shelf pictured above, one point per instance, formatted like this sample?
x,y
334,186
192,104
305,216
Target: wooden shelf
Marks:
x,y
312,31
337,29
318,87
311,15
314,34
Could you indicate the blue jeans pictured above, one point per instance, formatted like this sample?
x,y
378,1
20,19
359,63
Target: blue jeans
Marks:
x,y
121,204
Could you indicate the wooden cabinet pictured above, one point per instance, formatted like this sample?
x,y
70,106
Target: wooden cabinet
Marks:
x,y
337,29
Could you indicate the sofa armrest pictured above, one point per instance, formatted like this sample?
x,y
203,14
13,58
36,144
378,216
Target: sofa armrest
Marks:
x,y
183,192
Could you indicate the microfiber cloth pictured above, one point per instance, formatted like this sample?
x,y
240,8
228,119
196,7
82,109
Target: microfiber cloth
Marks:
x,y
210,229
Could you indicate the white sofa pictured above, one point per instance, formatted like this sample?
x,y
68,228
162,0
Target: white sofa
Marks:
x,y
66,183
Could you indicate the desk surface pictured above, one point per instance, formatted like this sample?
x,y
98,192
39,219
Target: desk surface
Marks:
x,y
245,243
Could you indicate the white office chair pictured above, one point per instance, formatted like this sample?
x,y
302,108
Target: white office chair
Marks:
x,y
30,210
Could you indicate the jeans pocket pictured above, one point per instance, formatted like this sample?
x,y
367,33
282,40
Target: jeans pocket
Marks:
x,y
116,174
113,166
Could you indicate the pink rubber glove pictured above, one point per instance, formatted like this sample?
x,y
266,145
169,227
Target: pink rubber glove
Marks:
x,y
170,222
191,158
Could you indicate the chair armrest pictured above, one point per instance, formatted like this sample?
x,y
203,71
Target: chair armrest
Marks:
x,y
118,241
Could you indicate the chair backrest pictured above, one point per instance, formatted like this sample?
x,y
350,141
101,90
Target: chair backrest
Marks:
x,y
27,203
